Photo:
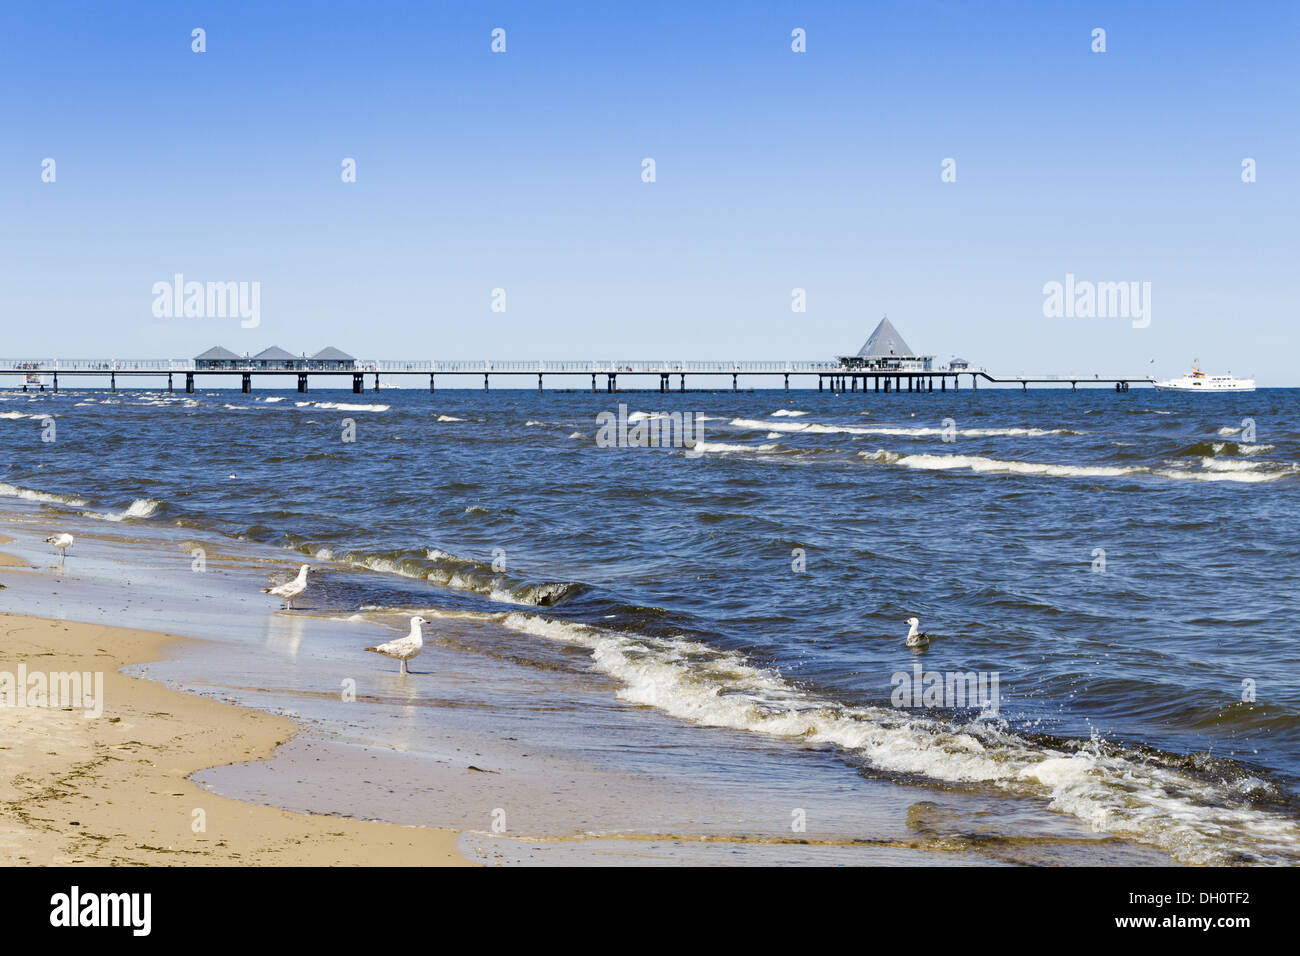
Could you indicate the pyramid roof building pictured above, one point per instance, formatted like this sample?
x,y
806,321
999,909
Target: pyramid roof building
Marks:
x,y
885,342
885,350
216,354
274,354
331,354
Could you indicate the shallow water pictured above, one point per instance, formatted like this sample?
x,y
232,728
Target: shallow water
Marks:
x,y
1122,563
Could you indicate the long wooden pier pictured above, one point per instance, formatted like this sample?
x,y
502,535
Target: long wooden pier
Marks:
x,y
831,376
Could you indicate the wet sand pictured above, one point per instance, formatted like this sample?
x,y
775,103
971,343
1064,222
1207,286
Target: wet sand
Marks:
x,y
115,789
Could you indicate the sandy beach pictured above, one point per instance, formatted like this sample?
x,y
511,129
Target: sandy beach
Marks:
x,y
115,790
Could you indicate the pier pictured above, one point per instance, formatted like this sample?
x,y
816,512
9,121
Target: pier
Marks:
x,y
601,376
884,364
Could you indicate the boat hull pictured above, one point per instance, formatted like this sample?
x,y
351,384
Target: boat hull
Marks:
x,y
1244,386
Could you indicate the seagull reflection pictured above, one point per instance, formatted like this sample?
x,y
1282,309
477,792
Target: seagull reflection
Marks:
x,y
284,632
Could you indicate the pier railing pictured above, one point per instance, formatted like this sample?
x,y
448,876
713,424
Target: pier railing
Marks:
x,y
611,367
96,365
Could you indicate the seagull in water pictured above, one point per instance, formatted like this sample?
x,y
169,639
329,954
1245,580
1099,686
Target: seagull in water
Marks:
x,y
404,648
914,638
61,541
293,588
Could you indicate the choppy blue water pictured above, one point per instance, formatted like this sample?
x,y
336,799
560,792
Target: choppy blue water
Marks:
x,y
1125,564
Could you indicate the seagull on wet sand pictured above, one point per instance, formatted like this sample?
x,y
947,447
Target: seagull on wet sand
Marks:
x,y
293,588
61,541
404,648
915,639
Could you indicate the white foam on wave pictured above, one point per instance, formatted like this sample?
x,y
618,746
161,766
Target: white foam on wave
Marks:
x,y
1228,431
1231,464
349,406
1195,820
577,435
978,463
787,413
139,508
817,428
1250,477
722,448
272,399
28,494
1226,470
1254,449
449,418
345,406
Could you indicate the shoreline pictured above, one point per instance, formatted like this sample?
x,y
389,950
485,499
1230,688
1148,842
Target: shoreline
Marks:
x,y
117,789
496,723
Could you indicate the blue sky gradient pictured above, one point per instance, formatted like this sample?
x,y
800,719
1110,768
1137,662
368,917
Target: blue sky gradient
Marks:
x,y
775,170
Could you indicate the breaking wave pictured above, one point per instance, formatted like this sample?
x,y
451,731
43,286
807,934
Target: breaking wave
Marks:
x,y
139,508
28,494
1196,809
1249,472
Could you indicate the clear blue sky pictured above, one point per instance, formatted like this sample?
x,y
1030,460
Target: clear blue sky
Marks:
x,y
522,171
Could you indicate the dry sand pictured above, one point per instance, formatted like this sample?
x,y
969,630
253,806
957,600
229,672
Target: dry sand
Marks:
x,y
115,789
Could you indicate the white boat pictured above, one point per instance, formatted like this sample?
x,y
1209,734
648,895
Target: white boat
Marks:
x,y
1198,381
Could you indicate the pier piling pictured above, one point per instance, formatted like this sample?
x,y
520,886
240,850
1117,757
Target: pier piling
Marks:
x,y
246,383
189,383
358,385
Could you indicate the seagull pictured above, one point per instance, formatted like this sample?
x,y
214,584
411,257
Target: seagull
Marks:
x,y
62,541
915,639
293,588
404,648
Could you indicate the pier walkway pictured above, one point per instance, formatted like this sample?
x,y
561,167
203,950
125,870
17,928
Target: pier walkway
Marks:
x,y
831,375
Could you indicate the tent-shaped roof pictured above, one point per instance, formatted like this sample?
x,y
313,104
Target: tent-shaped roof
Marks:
x,y
274,354
331,354
884,342
217,353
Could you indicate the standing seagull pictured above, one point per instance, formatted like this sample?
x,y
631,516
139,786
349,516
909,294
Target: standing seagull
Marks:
x,y
913,638
404,648
62,541
292,589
